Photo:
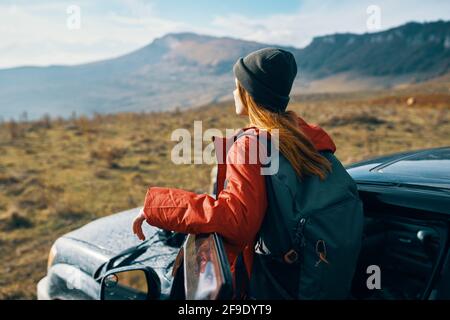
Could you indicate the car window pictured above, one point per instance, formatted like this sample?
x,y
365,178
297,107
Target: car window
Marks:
x,y
433,165
206,273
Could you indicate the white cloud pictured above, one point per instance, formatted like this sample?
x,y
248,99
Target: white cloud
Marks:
x,y
326,17
36,33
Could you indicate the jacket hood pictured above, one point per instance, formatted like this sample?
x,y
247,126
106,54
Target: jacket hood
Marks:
x,y
319,137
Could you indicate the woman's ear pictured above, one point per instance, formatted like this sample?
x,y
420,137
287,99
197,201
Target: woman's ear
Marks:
x,y
241,110
239,105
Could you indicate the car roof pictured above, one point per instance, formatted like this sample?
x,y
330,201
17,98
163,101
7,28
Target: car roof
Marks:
x,y
413,180
427,168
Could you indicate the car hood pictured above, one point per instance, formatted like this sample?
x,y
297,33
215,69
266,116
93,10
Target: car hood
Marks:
x,y
90,246
110,234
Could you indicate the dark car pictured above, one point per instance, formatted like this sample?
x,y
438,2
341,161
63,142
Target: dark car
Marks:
x,y
405,252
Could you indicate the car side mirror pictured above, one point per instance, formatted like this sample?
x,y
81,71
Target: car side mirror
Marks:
x,y
207,274
138,283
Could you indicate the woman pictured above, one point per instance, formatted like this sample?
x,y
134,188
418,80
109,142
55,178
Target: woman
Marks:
x,y
263,83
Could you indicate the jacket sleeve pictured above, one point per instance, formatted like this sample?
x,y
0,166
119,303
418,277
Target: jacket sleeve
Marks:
x,y
236,214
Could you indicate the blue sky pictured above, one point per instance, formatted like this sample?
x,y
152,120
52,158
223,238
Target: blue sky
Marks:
x,y
36,32
200,11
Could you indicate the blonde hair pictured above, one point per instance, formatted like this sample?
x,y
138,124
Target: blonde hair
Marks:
x,y
294,145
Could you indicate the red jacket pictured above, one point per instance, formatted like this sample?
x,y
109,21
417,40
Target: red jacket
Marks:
x,y
238,210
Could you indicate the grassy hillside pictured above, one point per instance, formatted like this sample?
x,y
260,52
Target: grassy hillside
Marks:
x,y
56,175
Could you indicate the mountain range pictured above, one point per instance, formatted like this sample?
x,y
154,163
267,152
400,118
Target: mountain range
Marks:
x,y
185,70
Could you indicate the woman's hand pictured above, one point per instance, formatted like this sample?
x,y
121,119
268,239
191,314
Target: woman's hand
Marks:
x,y
137,225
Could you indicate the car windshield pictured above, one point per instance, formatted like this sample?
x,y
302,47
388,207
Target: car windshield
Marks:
x,y
434,165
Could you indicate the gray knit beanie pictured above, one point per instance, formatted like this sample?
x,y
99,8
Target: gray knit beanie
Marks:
x,y
267,75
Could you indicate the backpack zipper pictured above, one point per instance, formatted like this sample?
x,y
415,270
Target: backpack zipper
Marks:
x,y
300,239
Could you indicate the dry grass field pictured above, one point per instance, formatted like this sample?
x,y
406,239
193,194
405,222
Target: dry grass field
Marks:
x,y
56,175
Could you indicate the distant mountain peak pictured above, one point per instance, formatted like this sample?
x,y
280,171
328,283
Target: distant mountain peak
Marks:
x,y
183,36
188,69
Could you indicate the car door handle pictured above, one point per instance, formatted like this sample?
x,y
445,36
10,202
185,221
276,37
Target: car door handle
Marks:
x,y
424,235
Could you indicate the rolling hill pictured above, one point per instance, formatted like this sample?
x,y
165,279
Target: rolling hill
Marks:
x,y
185,70
58,175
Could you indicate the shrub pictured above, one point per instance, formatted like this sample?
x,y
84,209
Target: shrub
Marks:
x,y
109,154
364,119
15,130
15,220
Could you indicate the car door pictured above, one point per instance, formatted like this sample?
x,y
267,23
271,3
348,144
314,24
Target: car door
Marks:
x,y
201,270
407,245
